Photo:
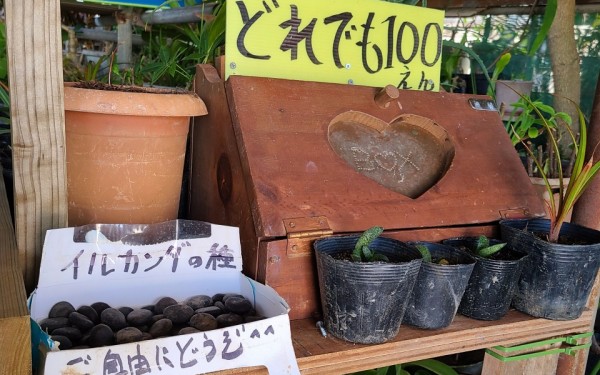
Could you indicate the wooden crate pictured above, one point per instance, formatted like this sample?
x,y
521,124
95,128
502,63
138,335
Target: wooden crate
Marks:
x,y
262,161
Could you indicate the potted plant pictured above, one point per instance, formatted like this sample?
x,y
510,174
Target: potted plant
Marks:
x,y
493,280
441,283
563,258
126,144
364,282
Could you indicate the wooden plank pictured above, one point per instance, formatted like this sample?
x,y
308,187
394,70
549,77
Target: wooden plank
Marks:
x,y
37,117
282,134
15,348
327,355
218,191
539,365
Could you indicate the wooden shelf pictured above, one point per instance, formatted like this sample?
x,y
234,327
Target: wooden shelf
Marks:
x,y
328,355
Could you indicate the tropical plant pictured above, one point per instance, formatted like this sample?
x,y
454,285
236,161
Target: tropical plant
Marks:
x,y
362,252
581,176
489,55
422,367
527,126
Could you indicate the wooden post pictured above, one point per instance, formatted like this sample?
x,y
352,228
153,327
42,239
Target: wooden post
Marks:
x,y
15,350
37,116
586,213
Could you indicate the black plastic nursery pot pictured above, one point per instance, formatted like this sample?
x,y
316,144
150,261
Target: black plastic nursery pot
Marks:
x,y
364,302
493,281
557,278
439,288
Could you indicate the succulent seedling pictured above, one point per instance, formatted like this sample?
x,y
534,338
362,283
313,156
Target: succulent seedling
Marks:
x,y
362,252
426,255
484,249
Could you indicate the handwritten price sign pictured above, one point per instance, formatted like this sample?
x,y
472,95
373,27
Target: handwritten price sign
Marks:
x,y
361,42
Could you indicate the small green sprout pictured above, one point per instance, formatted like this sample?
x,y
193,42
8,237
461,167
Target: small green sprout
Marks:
x,y
362,252
484,249
425,253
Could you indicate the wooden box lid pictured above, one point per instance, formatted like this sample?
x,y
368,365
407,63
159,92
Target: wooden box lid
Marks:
x,y
293,171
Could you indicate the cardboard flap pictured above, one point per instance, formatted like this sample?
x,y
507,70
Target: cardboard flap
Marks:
x,y
292,170
155,260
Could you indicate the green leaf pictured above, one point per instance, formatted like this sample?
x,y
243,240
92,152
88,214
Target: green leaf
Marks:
x,y
367,253
549,14
533,132
380,258
433,365
482,243
490,250
425,253
367,237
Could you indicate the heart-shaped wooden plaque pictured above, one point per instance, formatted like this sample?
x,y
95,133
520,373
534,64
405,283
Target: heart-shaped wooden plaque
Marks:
x,y
409,155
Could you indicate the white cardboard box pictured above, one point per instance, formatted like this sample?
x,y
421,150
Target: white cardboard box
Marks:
x,y
147,263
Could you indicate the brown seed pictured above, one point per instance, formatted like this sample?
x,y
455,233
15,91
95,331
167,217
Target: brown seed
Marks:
x,y
139,317
161,328
229,319
100,306
101,335
113,318
50,324
238,305
178,314
80,321
74,334
186,330
90,313
203,322
63,342
199,301
61,309
212,310
128,334
162,303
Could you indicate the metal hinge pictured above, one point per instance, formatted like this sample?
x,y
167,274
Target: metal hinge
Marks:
x,y
301,231
515,213
305,227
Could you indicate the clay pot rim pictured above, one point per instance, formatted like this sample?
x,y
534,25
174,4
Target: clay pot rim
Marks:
x,y
153,103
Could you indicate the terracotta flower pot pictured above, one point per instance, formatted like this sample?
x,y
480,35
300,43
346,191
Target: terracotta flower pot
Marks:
x,y
507,93
125,154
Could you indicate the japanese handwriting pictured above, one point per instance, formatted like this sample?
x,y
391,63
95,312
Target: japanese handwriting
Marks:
x,y
403,48
129,262
187,352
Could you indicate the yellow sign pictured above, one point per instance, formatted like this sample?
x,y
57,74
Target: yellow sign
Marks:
x,y
361,42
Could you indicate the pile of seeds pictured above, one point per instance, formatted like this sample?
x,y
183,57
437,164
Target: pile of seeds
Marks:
x,y
99,324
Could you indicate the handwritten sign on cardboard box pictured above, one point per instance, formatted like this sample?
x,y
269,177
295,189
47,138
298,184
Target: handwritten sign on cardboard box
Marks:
x,y
128,265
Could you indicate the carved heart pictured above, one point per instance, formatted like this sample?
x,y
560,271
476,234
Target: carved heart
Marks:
x,y
409,155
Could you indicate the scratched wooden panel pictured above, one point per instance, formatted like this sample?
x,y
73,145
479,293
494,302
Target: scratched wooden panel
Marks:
x,y
37,121
281,128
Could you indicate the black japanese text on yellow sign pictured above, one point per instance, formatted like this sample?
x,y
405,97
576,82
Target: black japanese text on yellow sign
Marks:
x,y
363,42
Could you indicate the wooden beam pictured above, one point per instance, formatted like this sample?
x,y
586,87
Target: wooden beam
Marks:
x,y
37,116
15,350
